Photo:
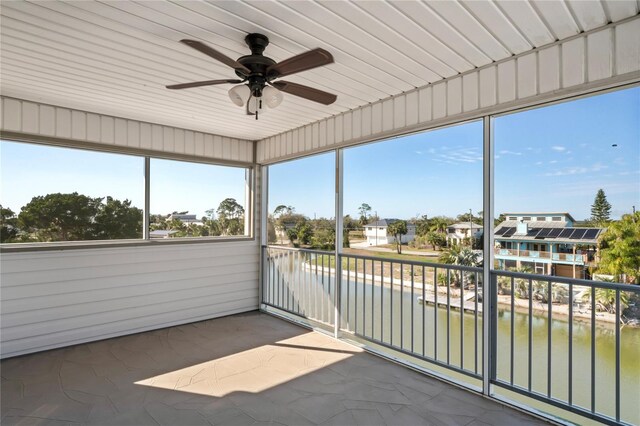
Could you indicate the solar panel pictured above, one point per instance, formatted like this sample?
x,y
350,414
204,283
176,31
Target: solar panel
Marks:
x,y
501,230
565,233
544,232
555,232
533,231
591,234
578,234
509,232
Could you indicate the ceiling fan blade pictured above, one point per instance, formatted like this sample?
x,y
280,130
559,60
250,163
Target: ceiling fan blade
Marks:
x,y
209,51
302,62
202,83
305,92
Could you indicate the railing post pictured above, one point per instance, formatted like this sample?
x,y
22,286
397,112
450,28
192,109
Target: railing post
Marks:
x,y
262,180
339,241
488,255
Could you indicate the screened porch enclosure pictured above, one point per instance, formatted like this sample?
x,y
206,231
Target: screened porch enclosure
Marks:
x,y
431,248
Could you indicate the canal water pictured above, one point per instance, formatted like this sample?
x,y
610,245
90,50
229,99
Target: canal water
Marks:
x,y
396,318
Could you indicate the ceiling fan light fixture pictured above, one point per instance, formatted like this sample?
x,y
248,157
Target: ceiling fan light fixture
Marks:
x,y
272,96
240,94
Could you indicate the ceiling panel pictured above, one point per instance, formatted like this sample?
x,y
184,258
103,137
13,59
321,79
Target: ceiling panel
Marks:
x,y
115,57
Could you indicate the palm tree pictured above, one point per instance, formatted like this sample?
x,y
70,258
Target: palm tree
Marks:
x,y
438,224
459,255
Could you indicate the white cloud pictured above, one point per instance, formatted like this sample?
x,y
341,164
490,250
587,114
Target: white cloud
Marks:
x,y
568,171
558,148
538,163
507,152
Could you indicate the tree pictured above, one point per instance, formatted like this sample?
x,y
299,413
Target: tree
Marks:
x,y
398,229
620,249
439,224
283,210
600,209
59,217
436,239
117,220
499,220
364,210
459,255
230,215
423,225
8,225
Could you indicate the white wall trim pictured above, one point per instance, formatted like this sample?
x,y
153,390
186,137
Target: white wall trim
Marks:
x,y
43,123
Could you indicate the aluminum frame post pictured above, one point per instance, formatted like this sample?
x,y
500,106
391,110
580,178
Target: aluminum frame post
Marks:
x,y
262,179
488,255
146,218
339,239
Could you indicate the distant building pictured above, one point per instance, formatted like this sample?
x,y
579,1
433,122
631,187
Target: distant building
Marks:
x,y
185,218
376,233
458,232
161,233
548,243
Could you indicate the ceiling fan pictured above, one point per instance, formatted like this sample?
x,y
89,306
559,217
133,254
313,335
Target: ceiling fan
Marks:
x,y
257,88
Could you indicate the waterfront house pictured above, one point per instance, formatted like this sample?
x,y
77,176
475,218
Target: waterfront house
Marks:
x,y
546,243
376,233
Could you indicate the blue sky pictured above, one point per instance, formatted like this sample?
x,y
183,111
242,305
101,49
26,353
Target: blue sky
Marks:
x,y
30,170
547,159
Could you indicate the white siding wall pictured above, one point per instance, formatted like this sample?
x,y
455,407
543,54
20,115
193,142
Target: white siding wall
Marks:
x,y
31,118
599,59
58,298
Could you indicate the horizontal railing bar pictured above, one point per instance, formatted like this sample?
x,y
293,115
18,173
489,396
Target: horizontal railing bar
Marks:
x,y
414,355
556,403
565,280
295,249
415,262
271,305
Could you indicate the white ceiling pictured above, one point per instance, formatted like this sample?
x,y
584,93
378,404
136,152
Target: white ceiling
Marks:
x,y
115,57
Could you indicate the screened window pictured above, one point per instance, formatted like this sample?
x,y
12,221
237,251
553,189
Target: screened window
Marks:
x,y
197,200
428,180
53,194
301,205
60,194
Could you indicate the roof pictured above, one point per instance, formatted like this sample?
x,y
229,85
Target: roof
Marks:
x,y
567,234
386,222
540,214
465,225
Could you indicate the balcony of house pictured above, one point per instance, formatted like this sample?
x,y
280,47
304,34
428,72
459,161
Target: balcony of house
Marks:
x,y
540,256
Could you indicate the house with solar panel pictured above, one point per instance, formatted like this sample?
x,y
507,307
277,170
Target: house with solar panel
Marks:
x,y
546,243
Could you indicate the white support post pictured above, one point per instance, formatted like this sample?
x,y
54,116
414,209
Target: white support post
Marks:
x,y
339,239
262,180
488,256
146,219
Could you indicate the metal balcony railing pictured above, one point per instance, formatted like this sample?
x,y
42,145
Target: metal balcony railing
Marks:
x,y
553,342
533,254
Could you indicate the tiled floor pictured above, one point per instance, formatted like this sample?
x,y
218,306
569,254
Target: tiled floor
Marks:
x,y
239,370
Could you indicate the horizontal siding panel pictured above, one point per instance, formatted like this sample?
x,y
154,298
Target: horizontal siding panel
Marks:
x,y
110,316
30,344
52,299
47,120
98,302
627,47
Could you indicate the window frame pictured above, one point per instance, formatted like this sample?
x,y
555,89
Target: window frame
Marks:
x,y
146,156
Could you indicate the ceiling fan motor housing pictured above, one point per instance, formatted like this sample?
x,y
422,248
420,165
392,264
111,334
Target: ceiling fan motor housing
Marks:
x,y
257,63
